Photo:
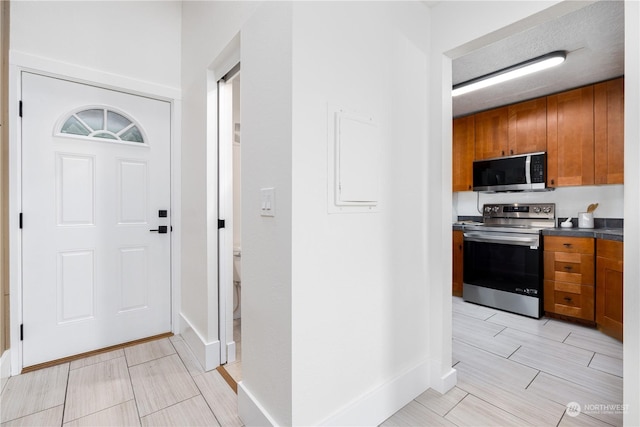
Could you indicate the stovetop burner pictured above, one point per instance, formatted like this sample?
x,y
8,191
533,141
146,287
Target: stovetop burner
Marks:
x,y
518,216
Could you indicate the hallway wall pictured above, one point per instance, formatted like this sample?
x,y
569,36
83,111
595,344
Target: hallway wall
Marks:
x,y
359,283
319,290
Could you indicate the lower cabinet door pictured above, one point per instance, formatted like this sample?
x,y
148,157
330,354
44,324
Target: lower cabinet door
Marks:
x,y
609,289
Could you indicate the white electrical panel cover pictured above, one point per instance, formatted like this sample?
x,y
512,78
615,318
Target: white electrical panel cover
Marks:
x,y
354,162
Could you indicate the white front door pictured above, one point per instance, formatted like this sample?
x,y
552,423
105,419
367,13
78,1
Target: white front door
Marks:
x,y
95,184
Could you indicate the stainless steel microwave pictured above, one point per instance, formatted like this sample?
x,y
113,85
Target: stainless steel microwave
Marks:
x,y
525,172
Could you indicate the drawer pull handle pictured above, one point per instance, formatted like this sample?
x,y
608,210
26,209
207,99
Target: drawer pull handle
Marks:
x,y
568,267
567,299
567,245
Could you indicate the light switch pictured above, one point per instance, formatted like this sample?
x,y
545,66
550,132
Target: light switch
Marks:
x,y
267,202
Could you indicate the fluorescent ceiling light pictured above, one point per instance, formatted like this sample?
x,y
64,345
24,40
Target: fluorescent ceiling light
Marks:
x,y
522,69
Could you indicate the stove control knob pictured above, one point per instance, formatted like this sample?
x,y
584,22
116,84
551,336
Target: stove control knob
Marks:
x,y
496,209
487,209
546,209
536,209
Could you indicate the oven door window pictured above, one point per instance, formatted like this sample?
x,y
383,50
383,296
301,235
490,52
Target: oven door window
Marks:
x,y
505,267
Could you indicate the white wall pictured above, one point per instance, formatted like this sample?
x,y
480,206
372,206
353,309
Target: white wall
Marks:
x,y
333,305
459,27
359,287
136,39
266,103
207,29
631,209
569,200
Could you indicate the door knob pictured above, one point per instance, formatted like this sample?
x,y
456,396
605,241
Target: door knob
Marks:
x,y
162,229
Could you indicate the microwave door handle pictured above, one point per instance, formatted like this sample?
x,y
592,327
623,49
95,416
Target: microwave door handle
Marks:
x,y
506,240
527,169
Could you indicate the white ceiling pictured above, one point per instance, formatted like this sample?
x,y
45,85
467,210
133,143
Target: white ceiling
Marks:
x,y
593,37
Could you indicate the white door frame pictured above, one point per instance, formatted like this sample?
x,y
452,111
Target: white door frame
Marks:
x,y
226,212
19,62
217,273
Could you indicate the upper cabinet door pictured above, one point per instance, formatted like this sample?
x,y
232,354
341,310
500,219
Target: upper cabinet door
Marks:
x,y
570,136
492,133
463,149
609,132
528,127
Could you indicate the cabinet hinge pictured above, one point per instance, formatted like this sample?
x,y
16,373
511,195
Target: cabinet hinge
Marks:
x,y
221,223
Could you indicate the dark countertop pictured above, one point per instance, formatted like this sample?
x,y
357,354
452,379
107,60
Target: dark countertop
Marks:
x,y
616,234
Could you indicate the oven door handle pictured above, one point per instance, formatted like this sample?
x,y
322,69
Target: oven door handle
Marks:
x,y
504,240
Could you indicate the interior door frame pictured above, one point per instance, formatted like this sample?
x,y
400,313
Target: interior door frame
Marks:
x,y
225,212
19,63
219,268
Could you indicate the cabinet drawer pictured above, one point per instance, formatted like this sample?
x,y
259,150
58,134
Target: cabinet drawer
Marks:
x,y
569,267
569,244
569,300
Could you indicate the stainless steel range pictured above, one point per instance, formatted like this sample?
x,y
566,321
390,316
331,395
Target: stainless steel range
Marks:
x,y
503,257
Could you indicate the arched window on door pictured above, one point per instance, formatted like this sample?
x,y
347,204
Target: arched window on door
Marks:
x,y
101,123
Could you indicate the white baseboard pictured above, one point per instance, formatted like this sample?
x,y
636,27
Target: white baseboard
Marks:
x,y
231,351
5,368
442,383
378,405
207,353
250,411
370,409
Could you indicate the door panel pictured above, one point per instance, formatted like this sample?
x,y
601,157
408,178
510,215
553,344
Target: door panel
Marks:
x,y
94,275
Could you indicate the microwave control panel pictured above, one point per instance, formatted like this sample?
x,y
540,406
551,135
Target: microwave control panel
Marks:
x,y
538,167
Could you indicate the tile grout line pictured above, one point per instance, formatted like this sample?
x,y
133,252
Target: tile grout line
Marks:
x,y
66,391
133,390
532,380
434,412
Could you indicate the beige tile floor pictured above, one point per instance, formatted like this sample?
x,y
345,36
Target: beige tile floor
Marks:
x,y
515,371
512,371
158,383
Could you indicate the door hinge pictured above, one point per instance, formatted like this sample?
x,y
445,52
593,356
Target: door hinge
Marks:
x,y
21,332
20,108
20,220
221,223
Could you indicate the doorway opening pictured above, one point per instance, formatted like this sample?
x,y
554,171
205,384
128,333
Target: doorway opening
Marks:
x,y
230,210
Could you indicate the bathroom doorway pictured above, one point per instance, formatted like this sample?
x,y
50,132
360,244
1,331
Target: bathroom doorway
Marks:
x,y
230,211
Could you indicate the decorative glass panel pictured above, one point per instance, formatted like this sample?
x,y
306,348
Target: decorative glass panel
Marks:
x,y
102,123
105,135
116,122
74,127
132,135
93,118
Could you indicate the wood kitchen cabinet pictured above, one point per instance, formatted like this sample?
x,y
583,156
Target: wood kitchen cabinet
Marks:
x,y
570,138
582,131
528,127
609,295
516,129
569,272
458,265
463,152
609,131
492,133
